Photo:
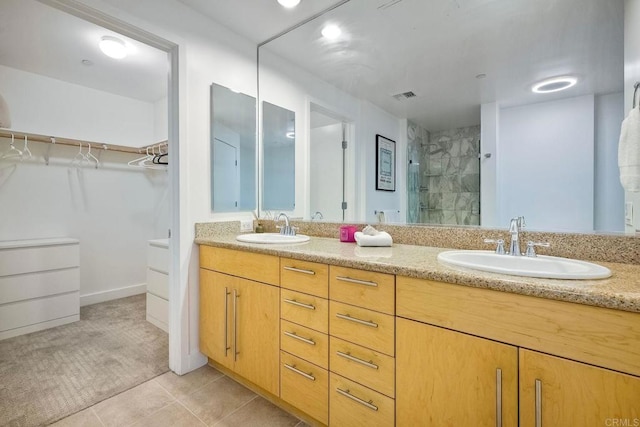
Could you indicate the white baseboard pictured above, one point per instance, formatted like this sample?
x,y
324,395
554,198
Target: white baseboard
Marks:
x,y
112,294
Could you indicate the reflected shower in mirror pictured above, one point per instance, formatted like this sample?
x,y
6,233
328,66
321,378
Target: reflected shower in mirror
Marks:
x,y
279,141
233,150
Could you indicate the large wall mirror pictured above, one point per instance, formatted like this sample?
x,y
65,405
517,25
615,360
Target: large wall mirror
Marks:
x,y
233,150
451,82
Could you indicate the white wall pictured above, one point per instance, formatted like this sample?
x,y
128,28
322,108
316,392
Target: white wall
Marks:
x,y
631,76
112,210
546,164
47,106
608,192
325,171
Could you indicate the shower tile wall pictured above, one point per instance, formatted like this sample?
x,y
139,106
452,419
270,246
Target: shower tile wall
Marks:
x,y
450,181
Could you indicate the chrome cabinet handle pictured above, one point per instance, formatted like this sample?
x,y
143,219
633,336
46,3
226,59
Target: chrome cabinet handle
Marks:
x,y
293,368
347,393
226,322
235,324
538,403
299,338
300,304
498,397
357,281
356,320
300,270
348,356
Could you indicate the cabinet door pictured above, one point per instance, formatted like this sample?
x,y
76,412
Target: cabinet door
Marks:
x,y
215,316
561,392
446,378
257,332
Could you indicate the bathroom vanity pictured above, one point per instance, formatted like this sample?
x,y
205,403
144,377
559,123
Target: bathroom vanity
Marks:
x,y
389,336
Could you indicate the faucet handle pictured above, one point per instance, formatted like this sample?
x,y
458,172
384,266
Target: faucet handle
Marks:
x,y
531,250
499,243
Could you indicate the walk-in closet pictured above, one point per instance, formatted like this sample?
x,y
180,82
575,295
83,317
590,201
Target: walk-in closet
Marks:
x,y
84,213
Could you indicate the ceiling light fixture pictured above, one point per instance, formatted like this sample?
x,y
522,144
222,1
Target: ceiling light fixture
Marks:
x,y
113,47
331,31
289,3
554,84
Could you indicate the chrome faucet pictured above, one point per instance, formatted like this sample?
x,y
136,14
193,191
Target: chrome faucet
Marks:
x,y
515,226
285,229
317,215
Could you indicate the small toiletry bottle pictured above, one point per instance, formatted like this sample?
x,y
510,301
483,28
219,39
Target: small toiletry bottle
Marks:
x,y
259,228
347,232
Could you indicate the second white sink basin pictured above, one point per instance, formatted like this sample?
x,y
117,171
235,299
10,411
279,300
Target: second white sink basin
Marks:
x,y
271,238
540,266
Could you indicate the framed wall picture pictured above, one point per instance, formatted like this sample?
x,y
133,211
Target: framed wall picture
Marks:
x,y
385,164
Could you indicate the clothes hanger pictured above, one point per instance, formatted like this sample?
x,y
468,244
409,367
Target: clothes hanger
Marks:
x,y
90,157
79,158
12,152
26,150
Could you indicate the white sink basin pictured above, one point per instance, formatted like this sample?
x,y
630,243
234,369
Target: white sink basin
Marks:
x,y
271,238
541,266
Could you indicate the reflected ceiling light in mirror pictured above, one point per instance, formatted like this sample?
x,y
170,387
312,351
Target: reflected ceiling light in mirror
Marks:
x,y
289,3
113,47
554,84
290,135
331,31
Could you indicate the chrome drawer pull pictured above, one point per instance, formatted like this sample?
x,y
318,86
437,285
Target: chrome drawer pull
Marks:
x,y
356,320
498,397
299,338
300,270
346,393
538,403
356,281
227,347
300,304
299,372
348,356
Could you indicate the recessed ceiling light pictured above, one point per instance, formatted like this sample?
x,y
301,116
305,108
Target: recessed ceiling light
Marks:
x,y
113,47
331,31
554,84
289,3
481,76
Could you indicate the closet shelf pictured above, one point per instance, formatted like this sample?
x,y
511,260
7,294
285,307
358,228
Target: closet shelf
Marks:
x,y
32,137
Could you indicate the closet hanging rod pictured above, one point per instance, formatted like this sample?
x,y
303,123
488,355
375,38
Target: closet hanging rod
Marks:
x,y
32,137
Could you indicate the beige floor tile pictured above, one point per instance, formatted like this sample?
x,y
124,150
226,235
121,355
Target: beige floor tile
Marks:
x,y
85,418
174,415
217,399
259,413
133,405
181,386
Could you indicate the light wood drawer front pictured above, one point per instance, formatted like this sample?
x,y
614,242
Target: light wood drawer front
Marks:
x,y
364,327
306,310
594,335
305,386
304,276
375,291
258,267
362,365
353,405
306,343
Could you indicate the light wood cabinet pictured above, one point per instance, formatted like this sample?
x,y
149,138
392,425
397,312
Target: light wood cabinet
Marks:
x,y
561,392
449,378
239,327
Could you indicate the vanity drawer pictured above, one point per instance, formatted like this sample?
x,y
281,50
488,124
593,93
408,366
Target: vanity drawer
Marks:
x,y
305,310
258,267
353,405
361,326
375,291
306,343
362,365
305,276
304,385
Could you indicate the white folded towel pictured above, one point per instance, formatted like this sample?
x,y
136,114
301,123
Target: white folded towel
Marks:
x,y
381,239
629,152
370,231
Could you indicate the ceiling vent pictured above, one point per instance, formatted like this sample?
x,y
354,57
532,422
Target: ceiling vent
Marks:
x,y
404,95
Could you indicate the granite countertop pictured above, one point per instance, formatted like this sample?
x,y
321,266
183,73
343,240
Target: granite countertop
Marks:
x,y
621,291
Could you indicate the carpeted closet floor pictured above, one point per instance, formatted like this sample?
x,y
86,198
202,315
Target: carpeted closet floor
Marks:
x,y
47,375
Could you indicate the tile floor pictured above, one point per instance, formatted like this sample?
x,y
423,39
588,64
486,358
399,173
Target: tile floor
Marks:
x,y
204,397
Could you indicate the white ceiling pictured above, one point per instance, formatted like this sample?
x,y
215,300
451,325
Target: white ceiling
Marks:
x,y
436,48
40,39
